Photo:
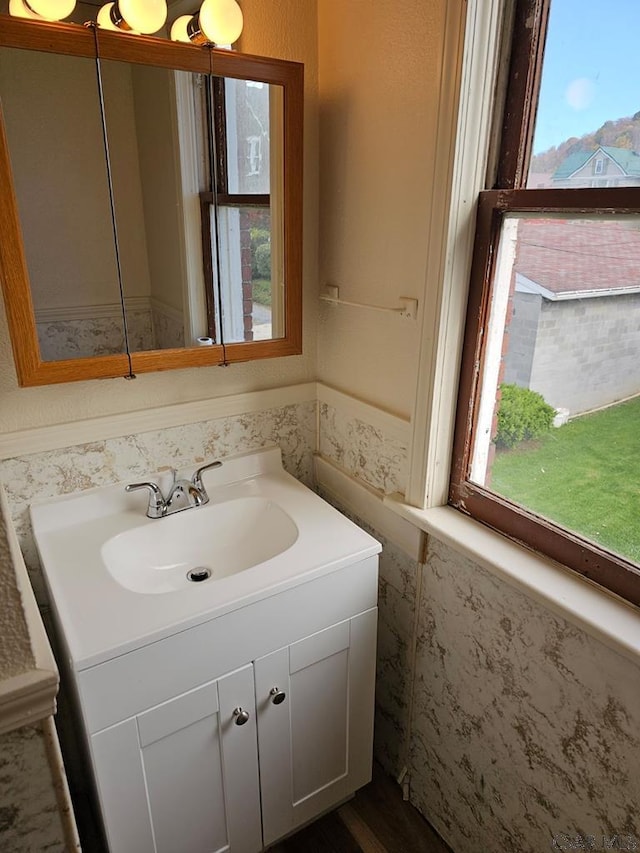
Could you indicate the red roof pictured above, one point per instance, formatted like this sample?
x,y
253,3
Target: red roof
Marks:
x,y
570,255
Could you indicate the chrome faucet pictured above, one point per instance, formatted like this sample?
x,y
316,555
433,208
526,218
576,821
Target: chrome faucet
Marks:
x,y
184,494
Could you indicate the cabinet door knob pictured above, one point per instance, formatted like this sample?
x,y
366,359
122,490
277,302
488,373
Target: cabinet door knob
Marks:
x,y
241,716
277,696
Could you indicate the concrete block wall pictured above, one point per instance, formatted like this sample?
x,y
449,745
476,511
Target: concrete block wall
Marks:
x,y
580,354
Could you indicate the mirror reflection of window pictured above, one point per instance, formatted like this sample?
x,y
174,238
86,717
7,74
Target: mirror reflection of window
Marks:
x,y
247,249
254,156
247,111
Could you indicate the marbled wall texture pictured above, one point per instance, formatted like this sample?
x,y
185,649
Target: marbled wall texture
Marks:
x,y
525,729
17,655
363,450
147,329
380,461
29,816
396,614
60,472
168,329
82,338
396,609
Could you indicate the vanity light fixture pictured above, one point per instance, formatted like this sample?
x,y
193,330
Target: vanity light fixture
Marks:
x,y
41,10
218,22
132,16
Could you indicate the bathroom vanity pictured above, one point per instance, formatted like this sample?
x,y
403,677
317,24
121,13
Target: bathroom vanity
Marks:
x,y
219,715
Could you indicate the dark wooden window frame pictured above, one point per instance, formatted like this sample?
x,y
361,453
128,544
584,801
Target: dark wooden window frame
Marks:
x,y
611,571
222,197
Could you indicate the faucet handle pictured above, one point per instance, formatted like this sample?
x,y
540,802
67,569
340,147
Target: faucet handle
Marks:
x,y
197,477
157,506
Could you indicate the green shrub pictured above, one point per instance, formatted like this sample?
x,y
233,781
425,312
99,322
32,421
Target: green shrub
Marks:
x,y
522,415
261,291
259,237
263,261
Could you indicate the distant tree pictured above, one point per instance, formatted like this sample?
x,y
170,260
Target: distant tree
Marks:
x,y
621,133
574,145
624,140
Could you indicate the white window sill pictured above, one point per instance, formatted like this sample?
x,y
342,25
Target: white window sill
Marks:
x,y
566,593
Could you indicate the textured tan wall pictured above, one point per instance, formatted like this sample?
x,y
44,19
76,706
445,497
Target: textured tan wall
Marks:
x,y
379,90
68,240
161,192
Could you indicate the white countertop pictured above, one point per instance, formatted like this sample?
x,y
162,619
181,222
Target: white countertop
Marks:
x,y
102,619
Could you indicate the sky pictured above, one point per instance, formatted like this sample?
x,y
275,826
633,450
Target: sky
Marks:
x,y
591,71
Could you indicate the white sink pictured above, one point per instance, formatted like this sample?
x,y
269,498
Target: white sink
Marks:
x,y
200,545
117,580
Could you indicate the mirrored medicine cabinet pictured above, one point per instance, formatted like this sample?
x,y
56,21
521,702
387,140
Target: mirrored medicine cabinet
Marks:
x,y
150,203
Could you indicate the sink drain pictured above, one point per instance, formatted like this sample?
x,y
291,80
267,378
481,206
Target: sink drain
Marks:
x,y
201,573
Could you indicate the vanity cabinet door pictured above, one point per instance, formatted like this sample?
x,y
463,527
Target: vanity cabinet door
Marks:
x,y
315,744
183,776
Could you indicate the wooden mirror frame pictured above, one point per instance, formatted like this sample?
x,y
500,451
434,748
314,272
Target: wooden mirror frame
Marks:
x,y
75,40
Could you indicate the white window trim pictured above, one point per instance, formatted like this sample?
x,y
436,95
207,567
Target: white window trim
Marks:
x,y
470,66
190,239
505,262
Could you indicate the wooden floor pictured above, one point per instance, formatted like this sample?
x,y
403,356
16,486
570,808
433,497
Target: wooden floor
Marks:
x,y
376,820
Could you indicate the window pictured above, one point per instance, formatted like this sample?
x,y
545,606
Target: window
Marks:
x,y
254,157
547,448
242,212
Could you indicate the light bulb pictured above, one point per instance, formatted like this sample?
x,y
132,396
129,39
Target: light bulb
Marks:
x,y
179,28
19,9
221,21
144,16
133,16
104,19
42,10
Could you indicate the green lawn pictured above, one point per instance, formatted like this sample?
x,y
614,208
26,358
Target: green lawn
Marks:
x,y
584,475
